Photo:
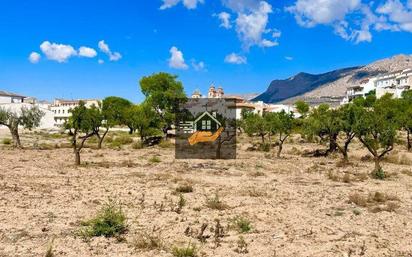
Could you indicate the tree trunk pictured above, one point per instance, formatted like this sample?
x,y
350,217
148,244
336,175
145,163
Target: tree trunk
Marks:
x,y
409,140
332,143
100,143
16,138
218,148
263,138
378,166
280,149
77,157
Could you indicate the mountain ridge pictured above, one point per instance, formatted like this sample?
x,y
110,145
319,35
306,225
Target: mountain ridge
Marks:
x,y
332,84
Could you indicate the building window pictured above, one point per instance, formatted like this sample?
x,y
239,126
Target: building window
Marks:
x,y
206,124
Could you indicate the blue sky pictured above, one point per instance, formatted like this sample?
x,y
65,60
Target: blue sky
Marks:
x,y
239,44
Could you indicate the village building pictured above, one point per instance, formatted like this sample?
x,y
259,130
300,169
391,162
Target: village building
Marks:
x,y
61,109
236,104
8,98
394,83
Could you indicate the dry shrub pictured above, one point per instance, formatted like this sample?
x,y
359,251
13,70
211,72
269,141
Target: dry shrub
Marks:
x,y
406,172
400,159
149,241
216,203
185,188
376,202
294,151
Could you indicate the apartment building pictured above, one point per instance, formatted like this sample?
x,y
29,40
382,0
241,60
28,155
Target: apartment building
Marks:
x,y
61,109
394,83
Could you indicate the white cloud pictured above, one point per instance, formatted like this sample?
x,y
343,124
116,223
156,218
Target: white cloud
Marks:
x,y
350,19
224,18
268,43
309,13
198,66
87,52
57,52
177,60
289,58
399,15
189,4
235,59
251,22
241,5
34,57
100,61
113,56
276,33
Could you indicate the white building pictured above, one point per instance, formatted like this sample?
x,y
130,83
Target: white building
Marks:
x,y
8,98
394,83
61,109
236,104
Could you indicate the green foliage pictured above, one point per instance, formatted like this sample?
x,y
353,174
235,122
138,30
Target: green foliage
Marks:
x,y
84,120
28,118
114,110
241,224
379,174
164,94
302,108
254,124
109,222
376,127
143,118
188,251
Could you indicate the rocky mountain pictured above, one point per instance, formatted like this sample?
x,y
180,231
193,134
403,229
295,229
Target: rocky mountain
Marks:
x,y
331,85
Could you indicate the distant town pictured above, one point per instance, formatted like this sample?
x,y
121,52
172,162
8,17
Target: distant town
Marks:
x,y
58,112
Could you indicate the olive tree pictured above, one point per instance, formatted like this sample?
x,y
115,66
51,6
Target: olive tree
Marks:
x,y
376,128
324,123
142,118
165,94
83,124
26,117
254,124
405,116
346,116
113,111
280,124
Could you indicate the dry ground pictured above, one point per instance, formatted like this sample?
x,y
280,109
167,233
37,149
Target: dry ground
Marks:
x,y
296,206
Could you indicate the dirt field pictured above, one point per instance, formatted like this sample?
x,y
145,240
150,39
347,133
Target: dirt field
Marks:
x,y
296,206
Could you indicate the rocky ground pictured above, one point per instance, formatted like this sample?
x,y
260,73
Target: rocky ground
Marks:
x,y
296,206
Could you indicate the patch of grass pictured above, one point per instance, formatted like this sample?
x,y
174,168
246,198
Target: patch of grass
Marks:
x,y
6,141
110,221
188,251
241,224
379,174
166,144
155,159
264,147
241,245
137,145
149,242
215,203
120,140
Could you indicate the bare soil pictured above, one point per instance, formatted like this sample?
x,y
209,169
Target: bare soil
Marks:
x,y
297,206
